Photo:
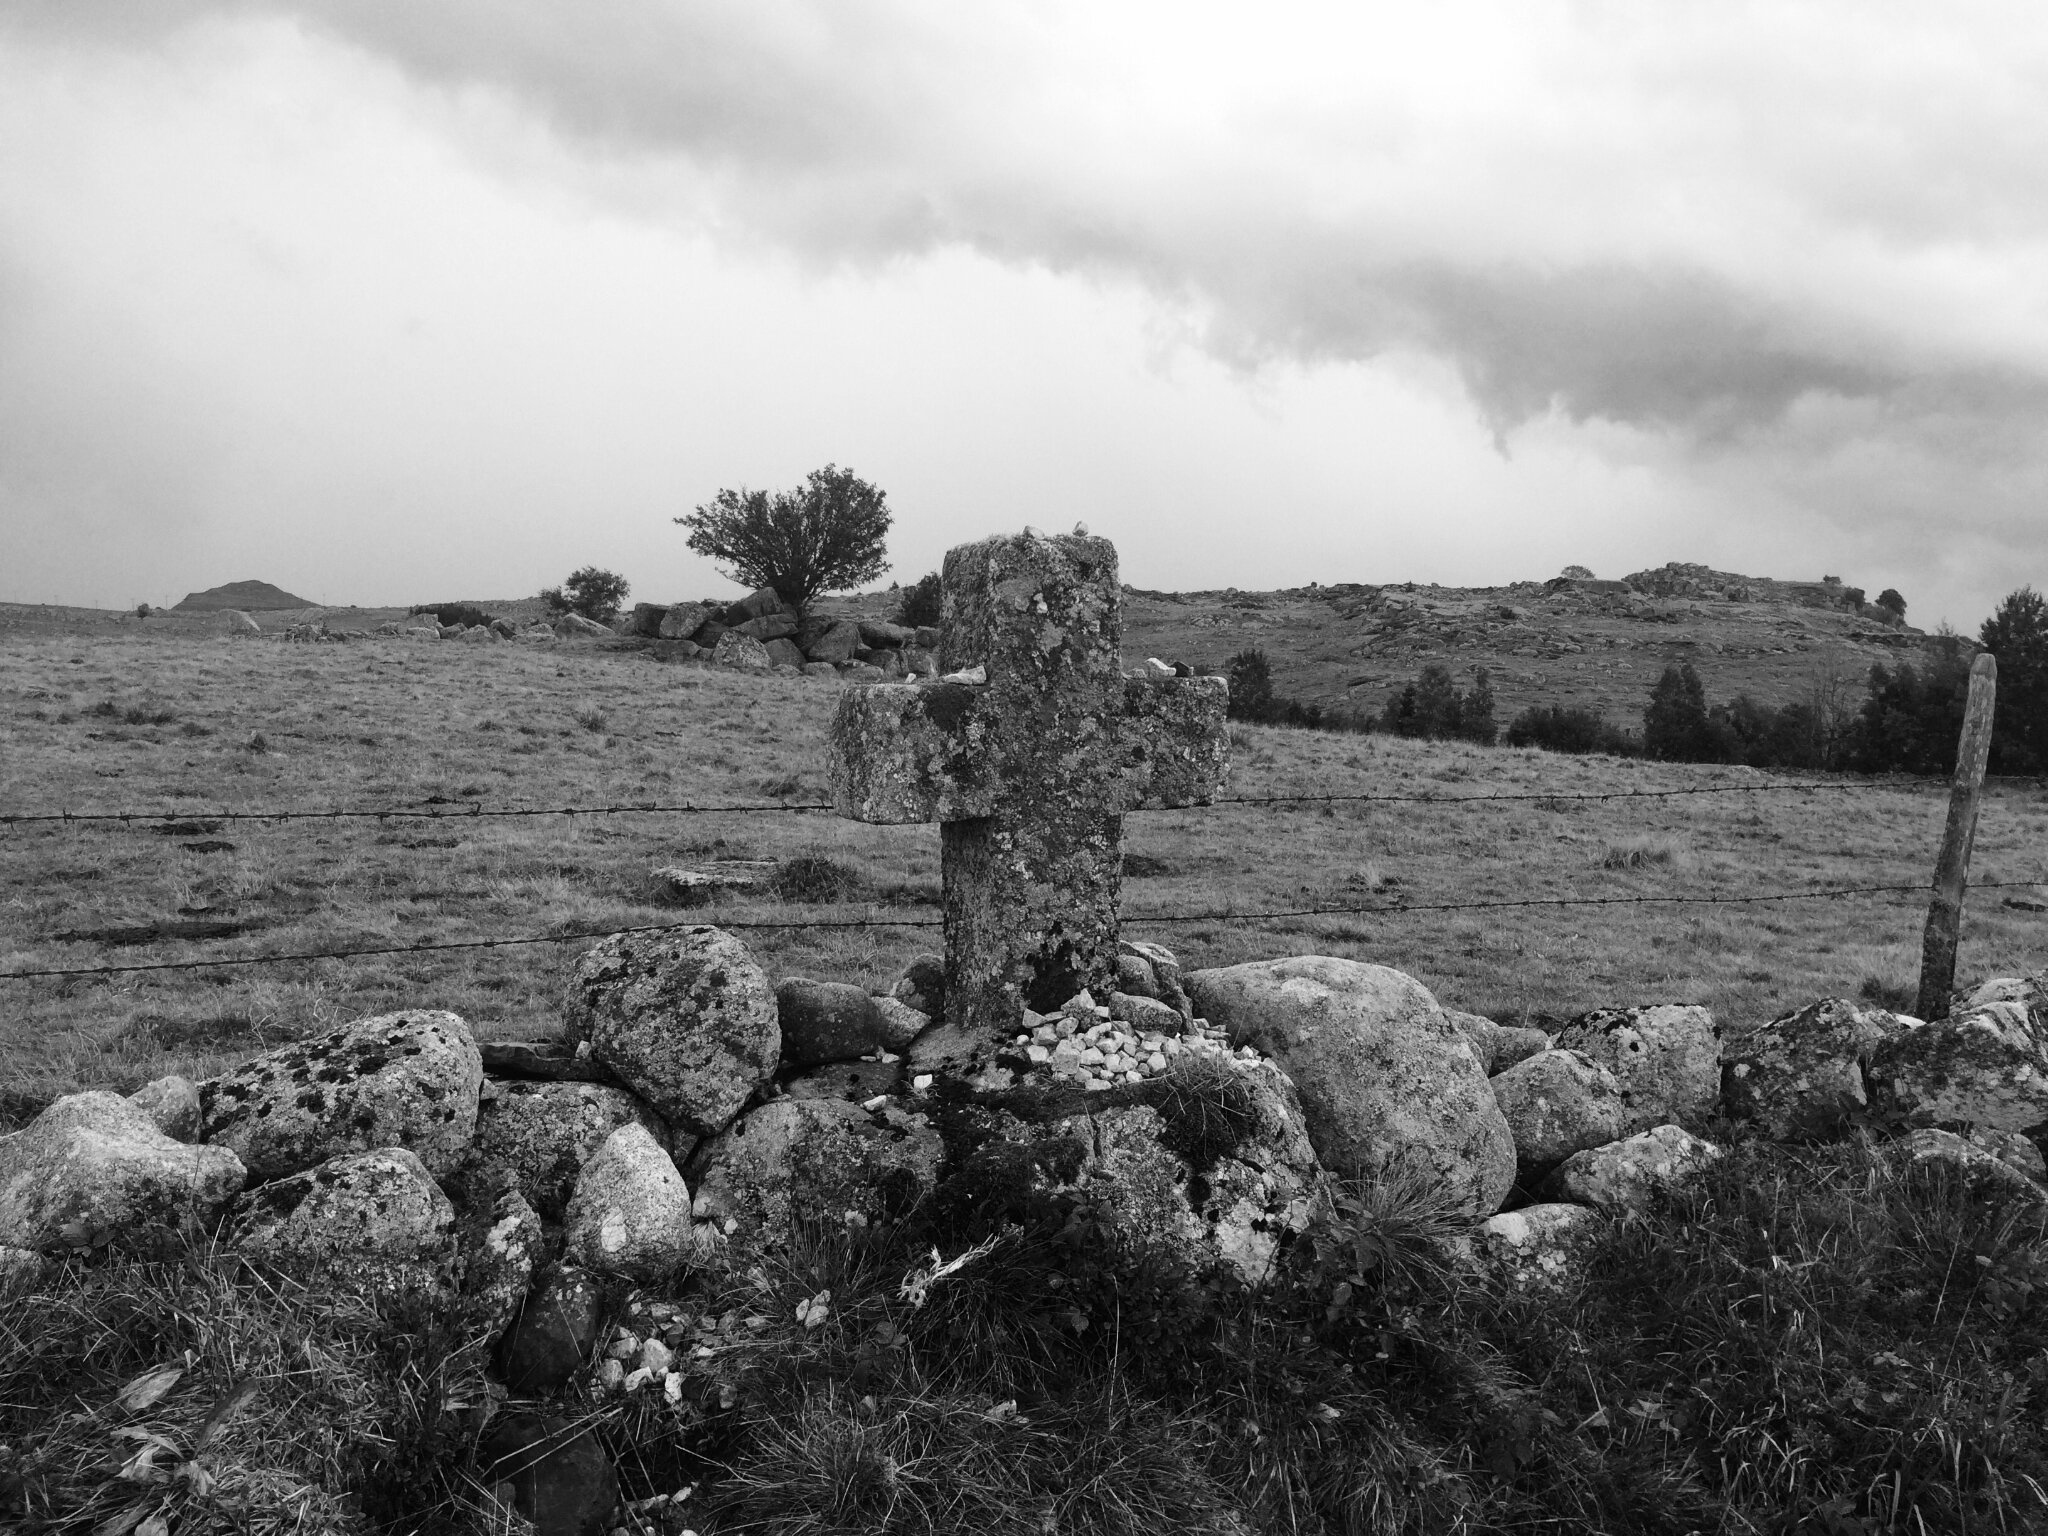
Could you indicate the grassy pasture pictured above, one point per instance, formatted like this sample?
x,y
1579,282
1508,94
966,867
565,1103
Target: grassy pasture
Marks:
x,y
191,724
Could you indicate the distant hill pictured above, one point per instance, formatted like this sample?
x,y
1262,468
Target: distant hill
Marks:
x,y
251,595
1569,640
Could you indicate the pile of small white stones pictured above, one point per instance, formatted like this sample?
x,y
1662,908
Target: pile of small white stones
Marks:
x,y
1083,1044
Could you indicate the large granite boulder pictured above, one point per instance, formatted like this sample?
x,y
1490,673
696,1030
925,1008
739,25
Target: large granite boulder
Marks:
x,y
824,1021
756,604
408,1079
1803,1075
543,1133
1981,1066
94,1166
1627,1174
1498,1046
1557,1102
1156,972
375,1215
736,648
683,620
1666,1058
1538,1248
630,1213
1385,1078
808,1160
172,1104
835,644
1982,1173
685,1018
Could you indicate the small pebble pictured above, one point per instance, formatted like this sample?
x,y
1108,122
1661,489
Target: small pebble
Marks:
x,y
1037,1053
921,1082
1156,1061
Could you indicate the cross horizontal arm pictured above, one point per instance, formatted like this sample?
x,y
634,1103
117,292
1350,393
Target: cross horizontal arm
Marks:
x,y
913,752
1174,742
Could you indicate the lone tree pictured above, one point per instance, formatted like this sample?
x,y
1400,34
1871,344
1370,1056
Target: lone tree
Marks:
x,y
2017,634
825,536
1891,602
594,593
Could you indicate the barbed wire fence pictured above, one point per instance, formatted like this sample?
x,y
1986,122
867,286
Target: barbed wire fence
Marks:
x,y
197,822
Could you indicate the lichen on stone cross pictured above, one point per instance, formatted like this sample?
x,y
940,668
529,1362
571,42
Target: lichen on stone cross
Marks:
x,y
1029,774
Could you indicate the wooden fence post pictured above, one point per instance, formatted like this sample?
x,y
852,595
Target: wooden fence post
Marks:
x,y
1952,867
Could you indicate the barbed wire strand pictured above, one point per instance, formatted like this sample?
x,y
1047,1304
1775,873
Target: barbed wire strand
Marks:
x,y
811,807
1395,909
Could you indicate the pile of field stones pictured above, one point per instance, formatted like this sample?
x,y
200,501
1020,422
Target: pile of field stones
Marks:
x,y
693,1112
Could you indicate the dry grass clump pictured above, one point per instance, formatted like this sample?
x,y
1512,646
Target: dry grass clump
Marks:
x,y
195,1392
1647,852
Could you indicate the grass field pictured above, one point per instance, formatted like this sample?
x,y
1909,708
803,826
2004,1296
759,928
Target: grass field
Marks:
x,y
151,721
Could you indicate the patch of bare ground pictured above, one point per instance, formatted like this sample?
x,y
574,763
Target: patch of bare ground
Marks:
x,y
157,720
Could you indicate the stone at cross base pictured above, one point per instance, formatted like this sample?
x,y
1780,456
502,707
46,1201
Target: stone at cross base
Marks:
x,y
1030,773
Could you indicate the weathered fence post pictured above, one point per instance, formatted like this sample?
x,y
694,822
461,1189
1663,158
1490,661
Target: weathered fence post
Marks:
x,y
1952,868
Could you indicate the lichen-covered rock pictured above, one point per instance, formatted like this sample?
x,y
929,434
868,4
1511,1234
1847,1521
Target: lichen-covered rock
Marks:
x,y
500,1246
630,1213
682,620
94,1166
1175,741
1498,1046
1982,1172
835,644
1666,1058
562,1481
685,1018
543,1133
554,1332
1162,967
2011,1148
808,1160
1144,1014
406,1079
901,1023
1627,1174
1536,1248
1803,1074
1984,1066
826,1021
1383,1076
172,1104
1556,1103
1209,1165
737,648
923,985
374,1215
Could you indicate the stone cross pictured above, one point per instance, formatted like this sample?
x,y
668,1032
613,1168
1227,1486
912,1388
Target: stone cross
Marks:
x,y
1029,773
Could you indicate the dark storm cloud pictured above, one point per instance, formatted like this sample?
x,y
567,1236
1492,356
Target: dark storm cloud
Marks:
x,y
858,131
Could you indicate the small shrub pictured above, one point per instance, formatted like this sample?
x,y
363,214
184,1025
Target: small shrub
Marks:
x,y
594,593
1898,996
591,719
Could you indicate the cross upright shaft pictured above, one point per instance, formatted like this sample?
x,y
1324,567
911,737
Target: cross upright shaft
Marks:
x,y
1030,773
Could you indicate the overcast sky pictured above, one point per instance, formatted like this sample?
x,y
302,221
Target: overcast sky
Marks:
x,y
394,302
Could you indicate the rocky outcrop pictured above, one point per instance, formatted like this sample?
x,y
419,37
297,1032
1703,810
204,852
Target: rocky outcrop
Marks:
x,y
630,1213
1557,1102
1627,1174
1982,1173
1983,1065
811,1160
684,1018
93,1167
1498,1046
375,1215
543,1133
825,1021
1384,1077
408,1080
738,649
1804,1074
1666,1058
172,1104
